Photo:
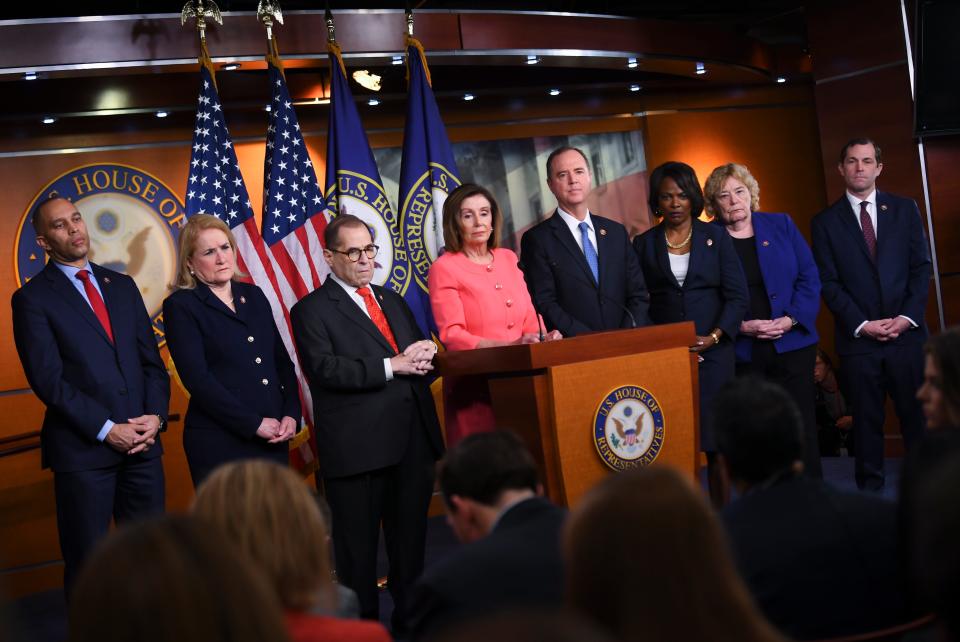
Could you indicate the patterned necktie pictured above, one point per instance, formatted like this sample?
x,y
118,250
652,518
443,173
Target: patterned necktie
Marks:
x,y
869,234
377,316
589,252
96,302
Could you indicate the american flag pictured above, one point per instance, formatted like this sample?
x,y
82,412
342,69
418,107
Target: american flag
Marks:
x,y
215,186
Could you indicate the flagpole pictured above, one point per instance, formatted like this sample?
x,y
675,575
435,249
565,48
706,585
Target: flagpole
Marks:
x,y
268,12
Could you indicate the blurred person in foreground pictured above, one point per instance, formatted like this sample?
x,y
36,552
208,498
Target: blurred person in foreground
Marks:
x,y
833,417
778,336
510,557
647,560
820,563
244,396
479,300
167,579
268,512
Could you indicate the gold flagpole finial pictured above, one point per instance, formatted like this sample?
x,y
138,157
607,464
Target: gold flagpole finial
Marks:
x,y
409,22
328,17
268,12
201,10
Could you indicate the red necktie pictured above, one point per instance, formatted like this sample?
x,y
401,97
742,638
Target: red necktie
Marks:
x,y
377,316
869,234
96,302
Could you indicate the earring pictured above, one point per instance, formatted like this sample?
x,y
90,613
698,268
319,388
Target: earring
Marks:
x,y
192,273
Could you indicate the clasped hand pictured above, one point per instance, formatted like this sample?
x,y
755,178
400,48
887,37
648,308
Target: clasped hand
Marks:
x,y
885,329
769,329
416,359
534,337
276,431
136,436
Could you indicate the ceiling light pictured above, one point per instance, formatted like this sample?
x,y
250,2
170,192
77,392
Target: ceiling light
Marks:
x,y
367,80
554,92
231,66
781,79
397,60
632,63
162,113
29,75
532,60
701,69
373,102
468,97
49,120
634,87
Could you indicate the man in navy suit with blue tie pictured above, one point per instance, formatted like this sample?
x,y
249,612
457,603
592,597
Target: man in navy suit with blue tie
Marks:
x,y
582,273
875,270
88,351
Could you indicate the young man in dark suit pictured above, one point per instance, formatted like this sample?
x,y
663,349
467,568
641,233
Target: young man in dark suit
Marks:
x,y
875,272
511,554
377,430
582,273
88,350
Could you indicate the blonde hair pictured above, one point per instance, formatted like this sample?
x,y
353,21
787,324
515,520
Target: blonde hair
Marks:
x,y
720,175
268,512
187,245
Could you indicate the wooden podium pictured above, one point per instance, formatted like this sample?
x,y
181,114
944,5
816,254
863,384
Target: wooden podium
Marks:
x,y
552,395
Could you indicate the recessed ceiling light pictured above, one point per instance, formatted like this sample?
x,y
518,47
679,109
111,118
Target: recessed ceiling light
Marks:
x,y
49,120
781,79
701,69
632,63
29,75
162,113
634,87
373,102
397,60
468,97
554,92
231,66
532,60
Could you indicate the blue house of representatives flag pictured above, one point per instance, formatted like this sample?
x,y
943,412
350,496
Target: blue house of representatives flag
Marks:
x,y
428,173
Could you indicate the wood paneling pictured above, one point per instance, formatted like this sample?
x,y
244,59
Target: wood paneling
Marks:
x,y
850,36
943,159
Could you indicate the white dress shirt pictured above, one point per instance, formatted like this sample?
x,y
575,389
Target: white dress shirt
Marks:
x,y
574,224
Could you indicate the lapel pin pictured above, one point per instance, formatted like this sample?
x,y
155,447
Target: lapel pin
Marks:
x,y
106,280
603,232
766,243
243,299
883,208
709,242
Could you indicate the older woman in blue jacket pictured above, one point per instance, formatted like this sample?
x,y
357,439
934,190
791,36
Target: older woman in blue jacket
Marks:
x,y
778,336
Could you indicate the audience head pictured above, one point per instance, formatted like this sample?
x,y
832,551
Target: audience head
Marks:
x,y
647,560
728,187
349,250
758,429
940,392
674,177
465,205
172,579
275,522
822,366
479,474
936,531
527,625
201,234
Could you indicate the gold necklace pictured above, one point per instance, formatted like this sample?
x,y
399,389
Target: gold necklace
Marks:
x,y
682,244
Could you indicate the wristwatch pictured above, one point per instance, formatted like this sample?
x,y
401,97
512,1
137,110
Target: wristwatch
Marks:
x,y
163,424
793,322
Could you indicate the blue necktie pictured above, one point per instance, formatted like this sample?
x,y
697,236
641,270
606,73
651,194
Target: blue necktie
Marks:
x,y
590,252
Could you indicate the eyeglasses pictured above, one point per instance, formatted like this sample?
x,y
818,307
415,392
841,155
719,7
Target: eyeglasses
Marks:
x,y
354,252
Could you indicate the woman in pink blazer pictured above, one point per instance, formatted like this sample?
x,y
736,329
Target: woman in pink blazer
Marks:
x,y
479,300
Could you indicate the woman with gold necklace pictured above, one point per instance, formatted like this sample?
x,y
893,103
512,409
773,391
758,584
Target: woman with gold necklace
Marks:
x,y
693,274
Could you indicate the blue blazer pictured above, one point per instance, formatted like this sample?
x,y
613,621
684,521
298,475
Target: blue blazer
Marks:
x,y
855,288
562,286
81,377
233,364
714,293
791,279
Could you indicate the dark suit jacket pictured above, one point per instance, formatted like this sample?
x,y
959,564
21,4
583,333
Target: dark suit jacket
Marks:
x,y
81,376
517,565
791,279
820,563
357,412
562,286
224,370
857,290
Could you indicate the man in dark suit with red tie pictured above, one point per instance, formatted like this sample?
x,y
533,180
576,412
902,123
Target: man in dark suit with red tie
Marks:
x,y
378,435
89,353
875,270
582,273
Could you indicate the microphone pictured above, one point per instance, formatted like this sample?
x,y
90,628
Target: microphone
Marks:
x,y
523,269
579,277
